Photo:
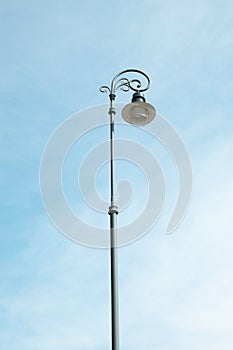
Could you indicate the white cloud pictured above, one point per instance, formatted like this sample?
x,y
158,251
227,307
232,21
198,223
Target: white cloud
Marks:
x,y
184,282
176,291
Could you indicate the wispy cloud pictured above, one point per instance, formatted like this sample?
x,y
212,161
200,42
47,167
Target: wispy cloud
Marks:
x,y
176,292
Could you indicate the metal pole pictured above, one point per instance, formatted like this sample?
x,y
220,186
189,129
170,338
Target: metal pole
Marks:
x,y
125,85
113,211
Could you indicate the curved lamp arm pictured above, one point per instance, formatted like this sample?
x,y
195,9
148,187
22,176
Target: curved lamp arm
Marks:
x,y
126,84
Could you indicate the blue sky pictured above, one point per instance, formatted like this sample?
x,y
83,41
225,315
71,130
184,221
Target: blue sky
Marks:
x,y
176,292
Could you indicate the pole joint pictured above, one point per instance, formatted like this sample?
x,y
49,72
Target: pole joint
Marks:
x,y
112,111
113,209
112,96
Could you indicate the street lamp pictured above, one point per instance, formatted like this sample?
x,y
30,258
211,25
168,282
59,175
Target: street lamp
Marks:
x,y
139,113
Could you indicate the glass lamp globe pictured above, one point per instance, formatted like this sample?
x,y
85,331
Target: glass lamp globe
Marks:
x,y
139,112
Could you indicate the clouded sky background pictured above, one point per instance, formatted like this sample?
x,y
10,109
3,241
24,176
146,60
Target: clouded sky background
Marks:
x,y
176,292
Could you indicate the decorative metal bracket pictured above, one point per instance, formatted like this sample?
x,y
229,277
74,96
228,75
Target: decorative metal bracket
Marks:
x,y
125,84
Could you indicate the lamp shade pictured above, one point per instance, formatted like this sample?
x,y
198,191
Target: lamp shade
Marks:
x,y
138,113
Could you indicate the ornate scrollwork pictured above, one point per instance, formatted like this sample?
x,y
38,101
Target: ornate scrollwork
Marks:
x,y
104,89
126,84
122,84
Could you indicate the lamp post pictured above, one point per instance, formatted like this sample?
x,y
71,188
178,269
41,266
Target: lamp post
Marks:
x,y
140,113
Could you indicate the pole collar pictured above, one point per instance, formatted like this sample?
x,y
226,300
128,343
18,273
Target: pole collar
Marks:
x,y
113,210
